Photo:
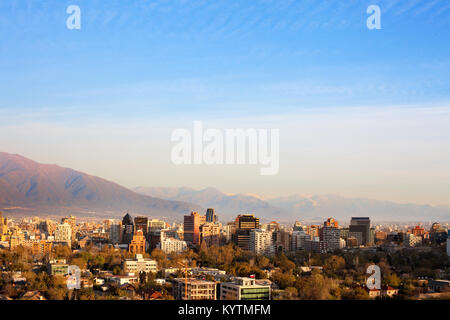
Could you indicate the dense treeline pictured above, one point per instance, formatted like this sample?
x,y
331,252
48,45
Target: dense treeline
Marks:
x,y
336,276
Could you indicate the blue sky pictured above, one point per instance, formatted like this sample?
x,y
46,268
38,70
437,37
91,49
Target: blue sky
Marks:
x,y
149,63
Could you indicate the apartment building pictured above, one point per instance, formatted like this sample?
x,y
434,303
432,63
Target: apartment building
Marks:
x,y
196,289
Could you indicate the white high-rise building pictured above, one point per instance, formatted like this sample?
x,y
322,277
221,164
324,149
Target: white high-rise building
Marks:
x,y
169,245
115,231
63,233
261,242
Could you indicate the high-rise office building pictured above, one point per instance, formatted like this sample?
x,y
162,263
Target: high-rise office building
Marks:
x,y
298,240
141,223
244,224
127,229
192,225
360,229
211,215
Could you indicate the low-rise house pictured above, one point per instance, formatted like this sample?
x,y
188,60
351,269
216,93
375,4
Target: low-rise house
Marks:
x,y
130,291
389,291
32,295
373,293
99,281
385,291
207,271
121,280
152,295
86,283
58,267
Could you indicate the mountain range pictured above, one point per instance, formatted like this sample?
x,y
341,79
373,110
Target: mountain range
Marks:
x,y
30,188
300,207
227,206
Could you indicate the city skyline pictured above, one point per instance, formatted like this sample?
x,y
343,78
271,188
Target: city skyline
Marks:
x,y
284,258
234,158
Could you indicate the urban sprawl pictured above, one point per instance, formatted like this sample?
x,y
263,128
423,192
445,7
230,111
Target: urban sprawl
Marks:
x,y
139,258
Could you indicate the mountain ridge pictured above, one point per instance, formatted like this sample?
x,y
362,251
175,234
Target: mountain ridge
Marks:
x,y
31,188
27,185
301,207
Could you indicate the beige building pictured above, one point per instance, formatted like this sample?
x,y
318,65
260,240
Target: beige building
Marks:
x,y
16,239
63,233
210,234
155,224
196,289
169,245
3,226
139,264
41,247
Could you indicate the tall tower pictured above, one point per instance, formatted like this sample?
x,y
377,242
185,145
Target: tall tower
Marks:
x,y
127,229
141,223
3,225
360,227
244,224
192,225
211,215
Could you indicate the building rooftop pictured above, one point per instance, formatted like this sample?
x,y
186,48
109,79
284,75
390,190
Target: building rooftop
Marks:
x,y
194,281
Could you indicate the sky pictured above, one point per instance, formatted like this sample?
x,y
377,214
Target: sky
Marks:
x,y
361,113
